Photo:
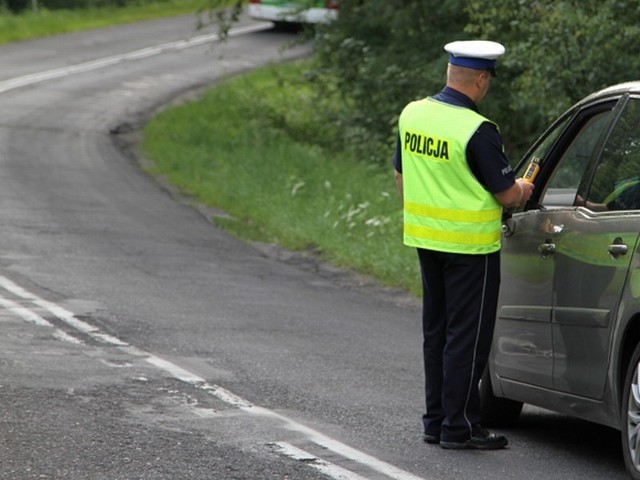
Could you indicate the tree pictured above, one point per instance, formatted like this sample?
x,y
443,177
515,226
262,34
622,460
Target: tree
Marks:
x,y
558,51
381,54
15,5
376,57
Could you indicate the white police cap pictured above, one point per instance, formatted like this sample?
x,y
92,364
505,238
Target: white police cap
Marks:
x,y
476,54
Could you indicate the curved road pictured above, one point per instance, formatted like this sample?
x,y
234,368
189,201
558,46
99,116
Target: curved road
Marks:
x,y
140,342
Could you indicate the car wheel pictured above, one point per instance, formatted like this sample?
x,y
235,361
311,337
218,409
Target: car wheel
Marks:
x,y
496,411
631,417
291,27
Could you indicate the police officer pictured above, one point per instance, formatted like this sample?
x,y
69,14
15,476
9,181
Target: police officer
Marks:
x,y
454,177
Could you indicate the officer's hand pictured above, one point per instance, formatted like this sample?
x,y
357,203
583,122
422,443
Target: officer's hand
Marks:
x,y
527,190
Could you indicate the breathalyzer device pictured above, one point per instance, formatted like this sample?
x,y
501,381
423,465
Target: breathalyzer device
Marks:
x,y
532,170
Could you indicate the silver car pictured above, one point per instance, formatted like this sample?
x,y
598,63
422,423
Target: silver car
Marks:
x,y
567,334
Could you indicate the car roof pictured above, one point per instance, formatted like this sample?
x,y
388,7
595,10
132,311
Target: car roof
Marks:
x,y
613,91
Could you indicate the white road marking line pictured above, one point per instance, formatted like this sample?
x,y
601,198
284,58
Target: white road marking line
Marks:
x,y
336,446
65,337
329,469
63,314
217,391
24,313
36,319
34,78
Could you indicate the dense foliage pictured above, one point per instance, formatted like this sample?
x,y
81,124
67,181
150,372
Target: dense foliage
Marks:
x,y
383,53
377,56
380,54
558,51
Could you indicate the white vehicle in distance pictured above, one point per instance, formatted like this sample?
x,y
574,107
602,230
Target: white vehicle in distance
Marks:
x,y
283,13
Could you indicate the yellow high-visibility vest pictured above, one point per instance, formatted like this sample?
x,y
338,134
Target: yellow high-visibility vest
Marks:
x,y
445,207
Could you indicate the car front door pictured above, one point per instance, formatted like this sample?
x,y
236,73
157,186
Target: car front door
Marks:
x,y
594,248
523,351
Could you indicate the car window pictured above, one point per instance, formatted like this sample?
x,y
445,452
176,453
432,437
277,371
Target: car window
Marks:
x,y
560,190
616,182
541,151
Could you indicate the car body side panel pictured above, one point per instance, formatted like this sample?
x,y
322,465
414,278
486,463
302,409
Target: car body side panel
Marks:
x,y
291,12
522,348
588,285
581,323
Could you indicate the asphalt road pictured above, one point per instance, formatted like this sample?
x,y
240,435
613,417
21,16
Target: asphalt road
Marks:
x,y
138,341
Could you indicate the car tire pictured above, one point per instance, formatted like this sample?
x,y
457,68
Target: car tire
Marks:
x,y
289,27
496,411
630,421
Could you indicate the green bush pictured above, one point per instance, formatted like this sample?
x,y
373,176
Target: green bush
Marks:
x,y
381,54
558,51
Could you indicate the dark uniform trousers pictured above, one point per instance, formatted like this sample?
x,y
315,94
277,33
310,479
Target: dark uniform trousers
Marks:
x,y
460,294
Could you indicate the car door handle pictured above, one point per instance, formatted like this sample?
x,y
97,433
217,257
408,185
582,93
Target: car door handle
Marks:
x,y
546,249
618,248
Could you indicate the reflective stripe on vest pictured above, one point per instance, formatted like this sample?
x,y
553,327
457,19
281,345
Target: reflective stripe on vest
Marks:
x,y
445,207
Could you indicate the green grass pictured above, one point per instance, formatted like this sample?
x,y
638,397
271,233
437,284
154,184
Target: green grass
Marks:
x,y
238,148
50,22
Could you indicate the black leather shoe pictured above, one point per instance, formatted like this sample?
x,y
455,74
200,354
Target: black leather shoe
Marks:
x,y
428,438
481,440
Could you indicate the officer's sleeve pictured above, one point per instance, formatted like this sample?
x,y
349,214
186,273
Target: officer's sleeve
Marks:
x,y
487,159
